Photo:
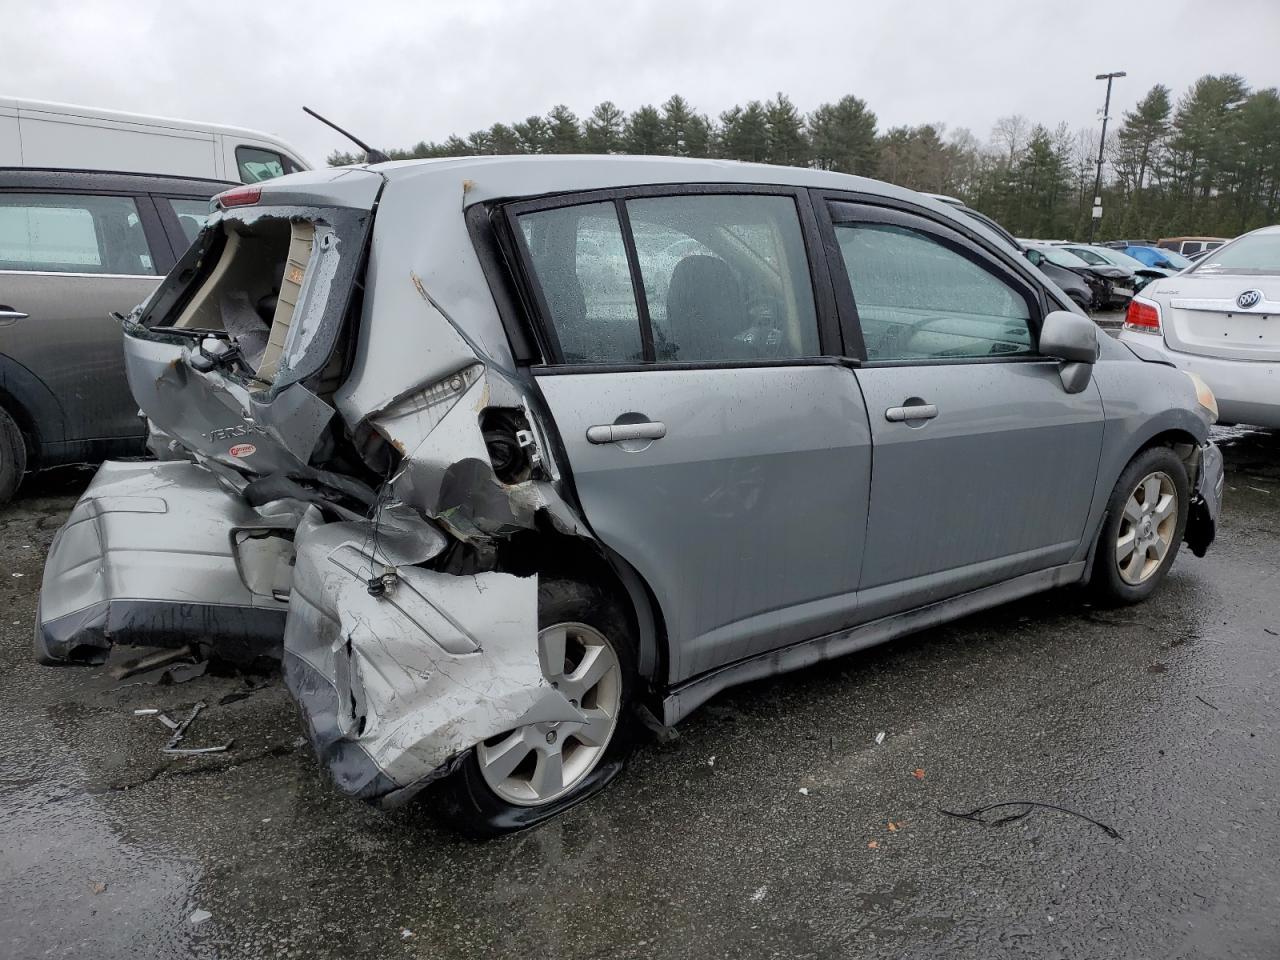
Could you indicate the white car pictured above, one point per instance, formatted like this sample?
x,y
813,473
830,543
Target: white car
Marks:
x,y
1220,319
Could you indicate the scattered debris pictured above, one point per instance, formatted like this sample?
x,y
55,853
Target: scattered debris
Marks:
x,y
918,773
894,827
405,933
976,815
145,712
200,916
234,697
879,738
804,791
19,574
180,731
1205,702
759,894
712,761
98,887
1270,631
161,658
873,845
1157,668
184,672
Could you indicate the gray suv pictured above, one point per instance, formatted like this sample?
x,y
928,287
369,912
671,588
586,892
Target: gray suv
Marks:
x,y
498,452
75,246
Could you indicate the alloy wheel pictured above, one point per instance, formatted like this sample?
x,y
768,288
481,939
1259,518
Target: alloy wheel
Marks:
x,y
540,762
1147,527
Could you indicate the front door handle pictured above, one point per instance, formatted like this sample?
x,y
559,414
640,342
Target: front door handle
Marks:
x,y
615,432
919,411
8,313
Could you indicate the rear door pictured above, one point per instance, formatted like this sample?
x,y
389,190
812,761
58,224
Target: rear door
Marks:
x,y
984,466
67,260
717,444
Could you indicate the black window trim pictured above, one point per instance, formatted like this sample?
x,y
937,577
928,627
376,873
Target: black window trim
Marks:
x,y
153,231
169,217
830,342
873,209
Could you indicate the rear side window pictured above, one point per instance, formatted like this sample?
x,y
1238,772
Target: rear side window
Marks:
x,y
725,277
721,278
67,233
256,164
580,259
919,299
191,215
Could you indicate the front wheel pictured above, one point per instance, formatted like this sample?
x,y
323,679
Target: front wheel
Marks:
x,y
1146,518
13,457
524,776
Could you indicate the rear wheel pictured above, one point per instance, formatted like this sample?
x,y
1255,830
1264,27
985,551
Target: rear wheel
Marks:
x,y
13,457
523,776
1146,518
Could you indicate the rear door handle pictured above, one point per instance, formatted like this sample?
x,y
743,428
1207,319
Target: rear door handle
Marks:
x,y
614,432
920,411
8,313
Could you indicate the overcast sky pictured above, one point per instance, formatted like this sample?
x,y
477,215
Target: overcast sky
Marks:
x,y
399,72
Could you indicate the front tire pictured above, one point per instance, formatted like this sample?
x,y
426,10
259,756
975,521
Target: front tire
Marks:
x,y
1145,521
522,777
13,457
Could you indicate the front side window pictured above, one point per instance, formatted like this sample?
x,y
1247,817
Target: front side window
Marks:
x,y
725,277
919,299
67,233
580,261
257,164
191,215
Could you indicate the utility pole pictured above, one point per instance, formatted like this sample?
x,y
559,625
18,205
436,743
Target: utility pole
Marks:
x,y
1102,143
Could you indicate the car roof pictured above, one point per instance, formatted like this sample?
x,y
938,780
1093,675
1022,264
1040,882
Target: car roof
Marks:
x,y
50,178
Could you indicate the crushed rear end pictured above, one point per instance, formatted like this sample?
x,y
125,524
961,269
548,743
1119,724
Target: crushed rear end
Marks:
x,y
346,478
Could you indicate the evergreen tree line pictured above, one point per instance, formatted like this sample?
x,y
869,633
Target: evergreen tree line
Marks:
x,y
1208,163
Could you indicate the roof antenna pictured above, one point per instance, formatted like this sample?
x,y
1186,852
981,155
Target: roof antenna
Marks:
x,y
371,155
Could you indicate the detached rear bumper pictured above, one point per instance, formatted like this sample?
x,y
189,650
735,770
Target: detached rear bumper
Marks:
x,y
150,556
395,689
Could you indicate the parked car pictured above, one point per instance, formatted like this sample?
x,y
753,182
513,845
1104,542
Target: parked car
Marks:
x,y
1218,320
1100,256
1109,286
488,510
1070,282
1190,246
1157,257
75,246
35,133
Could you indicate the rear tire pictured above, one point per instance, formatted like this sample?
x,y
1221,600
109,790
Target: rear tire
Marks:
x,y
482,798
1146,518
13,457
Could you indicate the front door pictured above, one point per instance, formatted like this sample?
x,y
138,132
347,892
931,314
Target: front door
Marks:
x,y
66,262
716,445
984,465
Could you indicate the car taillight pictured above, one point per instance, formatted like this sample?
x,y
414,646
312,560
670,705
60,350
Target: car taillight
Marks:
x,y
1142,316
239,197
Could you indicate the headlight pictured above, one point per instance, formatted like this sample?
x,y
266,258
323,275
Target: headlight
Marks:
x,y
1204,395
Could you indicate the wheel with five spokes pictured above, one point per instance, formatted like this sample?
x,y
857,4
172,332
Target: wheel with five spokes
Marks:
x,y
524,775
1146,517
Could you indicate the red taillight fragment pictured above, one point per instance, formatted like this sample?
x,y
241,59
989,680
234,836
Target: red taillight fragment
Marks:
x,y
1142,316
239,197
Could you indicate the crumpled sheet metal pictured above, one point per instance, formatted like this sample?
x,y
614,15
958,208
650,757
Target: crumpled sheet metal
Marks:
x,y
393,687
146,554
210,414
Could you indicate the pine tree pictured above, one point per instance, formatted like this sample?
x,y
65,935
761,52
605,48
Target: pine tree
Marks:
x,y
602,133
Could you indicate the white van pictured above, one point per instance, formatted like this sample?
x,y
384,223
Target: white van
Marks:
x,y
34,133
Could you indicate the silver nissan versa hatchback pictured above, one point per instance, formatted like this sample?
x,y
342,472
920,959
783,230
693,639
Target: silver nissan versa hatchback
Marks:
x,y
499,452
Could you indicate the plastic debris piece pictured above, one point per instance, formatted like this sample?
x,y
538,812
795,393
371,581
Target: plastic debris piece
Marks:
x,y
200,916
880,738
804,791
918,773
98,887
146,712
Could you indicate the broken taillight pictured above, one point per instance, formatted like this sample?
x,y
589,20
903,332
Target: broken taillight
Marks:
x,y
1142,316
239,197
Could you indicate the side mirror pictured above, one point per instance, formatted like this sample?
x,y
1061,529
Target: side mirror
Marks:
x,y
1073,339
1035,256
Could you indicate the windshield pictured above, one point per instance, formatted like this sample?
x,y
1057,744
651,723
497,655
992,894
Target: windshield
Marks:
x,y
1088,256
1176,260
1062,257
1255,255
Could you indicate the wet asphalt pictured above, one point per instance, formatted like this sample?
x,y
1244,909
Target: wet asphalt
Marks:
x,y
774,826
